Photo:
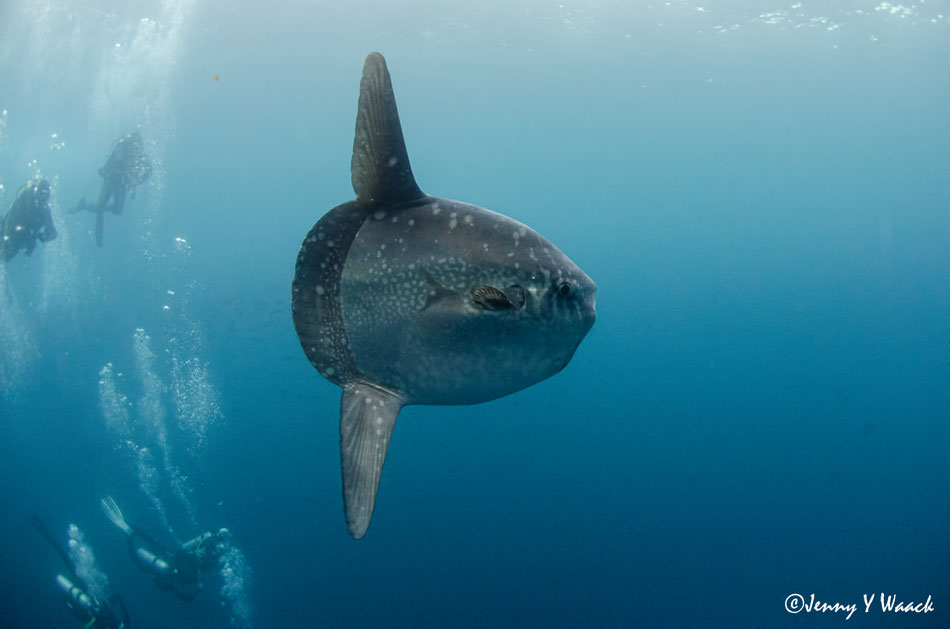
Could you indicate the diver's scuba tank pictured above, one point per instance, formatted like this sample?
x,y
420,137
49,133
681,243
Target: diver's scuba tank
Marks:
x,y
82,605
150,562
207,547
194,544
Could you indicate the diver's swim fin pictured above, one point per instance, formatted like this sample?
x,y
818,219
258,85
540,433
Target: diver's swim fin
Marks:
x,y
43,530
114,513
100,222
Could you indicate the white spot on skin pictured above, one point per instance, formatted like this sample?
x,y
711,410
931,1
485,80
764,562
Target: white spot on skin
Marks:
x,y
320,290
412,222
468,219
436,210
380,215
453,224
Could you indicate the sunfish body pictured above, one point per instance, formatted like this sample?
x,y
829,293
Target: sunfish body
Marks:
x,y
404,298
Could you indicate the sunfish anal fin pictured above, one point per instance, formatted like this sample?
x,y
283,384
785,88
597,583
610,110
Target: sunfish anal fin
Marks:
x,y
380,167
367,417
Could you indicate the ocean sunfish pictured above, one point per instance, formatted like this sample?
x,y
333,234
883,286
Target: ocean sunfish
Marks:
x,y
403,298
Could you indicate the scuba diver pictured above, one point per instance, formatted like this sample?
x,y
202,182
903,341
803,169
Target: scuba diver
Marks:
x,y
89,610
171,570
126,168
28,220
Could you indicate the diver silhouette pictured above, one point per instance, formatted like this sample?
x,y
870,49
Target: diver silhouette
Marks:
x,y
27,221
127,167
174,570
110,613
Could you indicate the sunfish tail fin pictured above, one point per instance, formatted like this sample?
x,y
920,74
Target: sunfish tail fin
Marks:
x,y
114,513
380,167
367,417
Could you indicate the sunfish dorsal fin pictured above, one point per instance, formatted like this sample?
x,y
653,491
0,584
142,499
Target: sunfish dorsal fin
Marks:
x,y
367,417
380,166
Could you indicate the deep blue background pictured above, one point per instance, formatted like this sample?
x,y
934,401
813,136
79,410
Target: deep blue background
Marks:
x,y
761,408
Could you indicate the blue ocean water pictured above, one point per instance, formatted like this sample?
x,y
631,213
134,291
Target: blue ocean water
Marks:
x,y
759,189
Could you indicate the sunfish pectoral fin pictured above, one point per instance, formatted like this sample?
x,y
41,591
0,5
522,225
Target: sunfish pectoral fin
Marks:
x,y
380,167
367,417
439,295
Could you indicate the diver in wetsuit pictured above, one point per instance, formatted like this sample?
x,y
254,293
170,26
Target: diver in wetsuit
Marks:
x,y
177,570
127,167
88,610
28,220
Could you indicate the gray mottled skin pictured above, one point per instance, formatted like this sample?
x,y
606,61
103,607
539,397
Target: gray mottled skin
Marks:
x,y
402,298
454,351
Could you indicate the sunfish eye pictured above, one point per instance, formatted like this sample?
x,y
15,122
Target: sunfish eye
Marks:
x,y
564,288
